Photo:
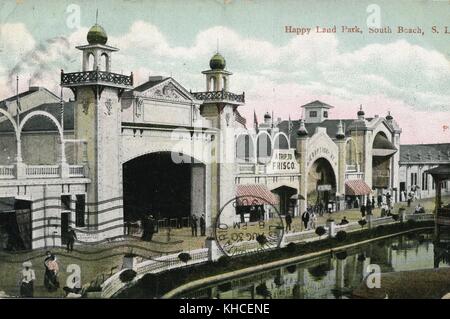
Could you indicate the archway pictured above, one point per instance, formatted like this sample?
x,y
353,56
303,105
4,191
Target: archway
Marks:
x,y
287,204
382,151
321,186
154,184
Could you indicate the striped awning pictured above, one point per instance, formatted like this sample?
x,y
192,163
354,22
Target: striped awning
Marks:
x,y
357,187
254,194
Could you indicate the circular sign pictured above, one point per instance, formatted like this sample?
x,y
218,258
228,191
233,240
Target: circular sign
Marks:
x,y
251,229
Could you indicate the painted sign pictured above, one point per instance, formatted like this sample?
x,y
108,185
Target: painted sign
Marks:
x,y
283,161
321,151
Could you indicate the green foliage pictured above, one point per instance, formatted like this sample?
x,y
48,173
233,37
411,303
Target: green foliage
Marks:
x,y
184,257
341,235
261,239
320,231
127,275
362,222
290,247
223,261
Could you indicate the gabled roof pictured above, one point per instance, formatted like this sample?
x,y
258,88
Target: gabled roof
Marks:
x,y
317,103
42,124
157,80
30,91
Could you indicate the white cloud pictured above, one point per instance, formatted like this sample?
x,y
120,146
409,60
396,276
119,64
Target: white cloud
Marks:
x,y
380,76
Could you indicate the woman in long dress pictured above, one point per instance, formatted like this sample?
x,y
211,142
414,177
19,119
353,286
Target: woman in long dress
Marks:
x,y
27,281
51,273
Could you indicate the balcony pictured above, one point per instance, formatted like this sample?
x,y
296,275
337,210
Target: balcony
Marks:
x,y
220,96
96,77
250,168
9,172
354,175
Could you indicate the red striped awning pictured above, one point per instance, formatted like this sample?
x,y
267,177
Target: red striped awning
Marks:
x,y
357,187
255,194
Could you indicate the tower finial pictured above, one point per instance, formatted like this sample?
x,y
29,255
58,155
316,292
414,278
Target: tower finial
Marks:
x,y
217,49
96,17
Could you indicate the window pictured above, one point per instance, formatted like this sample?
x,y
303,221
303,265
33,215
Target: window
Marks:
x,y
79,211
312,113
424,181
325,114
413,179
65,202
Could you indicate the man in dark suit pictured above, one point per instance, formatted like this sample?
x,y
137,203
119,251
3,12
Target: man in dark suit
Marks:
x,y
202,225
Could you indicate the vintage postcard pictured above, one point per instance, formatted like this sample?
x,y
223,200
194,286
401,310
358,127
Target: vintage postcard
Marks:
x,y
224,149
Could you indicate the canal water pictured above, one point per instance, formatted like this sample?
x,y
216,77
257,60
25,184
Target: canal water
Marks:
x,y
331,276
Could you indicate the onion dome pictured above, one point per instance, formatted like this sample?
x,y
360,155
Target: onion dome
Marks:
x,y
267,116
302,131
97,35
389,116
360,112
340,132
217,62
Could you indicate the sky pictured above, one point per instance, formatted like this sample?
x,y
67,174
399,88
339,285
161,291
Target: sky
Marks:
x,y
406,74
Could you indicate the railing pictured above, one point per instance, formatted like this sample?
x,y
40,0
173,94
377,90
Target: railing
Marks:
x,y
88,77
251,169
354,175
42,171
113,284
219,96
76,171
7,171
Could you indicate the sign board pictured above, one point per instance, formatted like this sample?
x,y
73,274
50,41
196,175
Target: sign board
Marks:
x,y
322,188
283,161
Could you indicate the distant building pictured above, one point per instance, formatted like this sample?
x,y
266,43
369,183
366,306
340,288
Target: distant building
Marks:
x,y
415,160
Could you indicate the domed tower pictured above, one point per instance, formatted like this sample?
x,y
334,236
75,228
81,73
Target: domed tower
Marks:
x,y
220,106
97,124
217,78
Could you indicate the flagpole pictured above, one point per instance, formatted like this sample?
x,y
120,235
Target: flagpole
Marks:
x,y
17,101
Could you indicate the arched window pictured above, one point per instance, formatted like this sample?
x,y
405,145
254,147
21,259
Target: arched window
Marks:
x,y
90,62
264,151
225,84
244,148
350,156
104,62
212,84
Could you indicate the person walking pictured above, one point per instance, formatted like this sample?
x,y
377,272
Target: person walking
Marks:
x,y
51,272
379,200
369,207
363,210
27,281
288,219
202,225
71,237
194,226
312,221
305,219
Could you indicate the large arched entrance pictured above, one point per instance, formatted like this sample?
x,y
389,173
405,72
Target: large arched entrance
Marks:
x,y
155,184
321,188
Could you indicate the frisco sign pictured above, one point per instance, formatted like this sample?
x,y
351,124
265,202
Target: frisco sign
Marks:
x,y
283,161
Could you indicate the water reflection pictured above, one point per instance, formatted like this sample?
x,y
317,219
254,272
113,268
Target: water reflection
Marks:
x,y
333,276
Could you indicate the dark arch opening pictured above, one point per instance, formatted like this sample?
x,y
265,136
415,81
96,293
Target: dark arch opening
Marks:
x,y
153,184
321,183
